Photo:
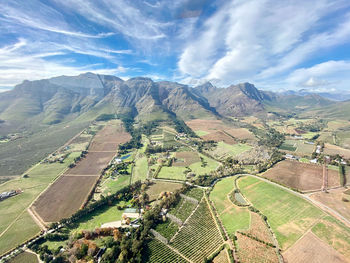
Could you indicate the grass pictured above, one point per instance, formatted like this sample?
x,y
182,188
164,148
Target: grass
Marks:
x,y
233,150
114,185
24,257
196,193
201,133
23,229
174,172
335,233
233,217
304,160
140,171
211,165
290,216
39,178
100,216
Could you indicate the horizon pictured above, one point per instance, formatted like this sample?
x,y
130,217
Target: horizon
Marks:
x,y
188,42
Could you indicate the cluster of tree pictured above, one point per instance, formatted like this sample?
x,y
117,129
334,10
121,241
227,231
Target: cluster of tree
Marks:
x,y
342,175
316,126
276,157
181,127
271,138
158,149
205,145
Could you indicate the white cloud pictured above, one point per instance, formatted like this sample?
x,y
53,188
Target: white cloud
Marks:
x,y
253,40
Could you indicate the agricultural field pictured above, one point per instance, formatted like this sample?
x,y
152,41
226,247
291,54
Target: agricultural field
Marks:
x,y
301,176
196,193
183,209
200,237
219,136
140,170
252,251
167,229
158,187
223,257
241,133
64,197
69,193
224,150
232,216
156,252
333,150
259,229
186,158
112,185
312,249
198,168
25,257
334,199
290,216
13,210
334,233
299,147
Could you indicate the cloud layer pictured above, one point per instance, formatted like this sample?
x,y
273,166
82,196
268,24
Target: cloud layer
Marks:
x,y
274,44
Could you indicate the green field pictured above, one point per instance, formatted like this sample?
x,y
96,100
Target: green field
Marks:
x,y
24,257
201,133
140,170
39,178
114,185
177,172
289,215
224,150
156,251
335,233
101,216
233,217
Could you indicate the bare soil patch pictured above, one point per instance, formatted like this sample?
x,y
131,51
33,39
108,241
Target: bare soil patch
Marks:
x,y
333,199
64,197
241,133
92,164
259,229
219,136
312,250
250,250
331,149
206,125
302,176
109,138
186,158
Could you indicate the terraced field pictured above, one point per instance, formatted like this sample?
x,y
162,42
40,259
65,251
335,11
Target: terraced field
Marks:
x,y
200,237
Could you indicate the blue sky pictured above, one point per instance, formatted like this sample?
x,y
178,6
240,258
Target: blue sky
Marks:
x,y
276,45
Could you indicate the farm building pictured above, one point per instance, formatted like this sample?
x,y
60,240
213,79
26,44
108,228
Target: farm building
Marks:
x,y
131,213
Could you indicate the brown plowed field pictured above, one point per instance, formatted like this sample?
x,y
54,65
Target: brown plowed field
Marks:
x,y
259,229
241,133
333,150
93,163
302,176
109,138
333,199
219,136
206,125
187,157
252,251
311,249
64,197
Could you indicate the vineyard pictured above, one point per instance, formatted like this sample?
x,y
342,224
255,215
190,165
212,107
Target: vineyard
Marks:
x,y
259,229
156,251
196,193
167,229
199,237
183,209
252,251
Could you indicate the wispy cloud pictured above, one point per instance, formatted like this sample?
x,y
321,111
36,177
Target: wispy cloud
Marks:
x,y
257,39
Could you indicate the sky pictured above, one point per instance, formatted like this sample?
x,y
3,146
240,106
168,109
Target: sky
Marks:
x,y
276,45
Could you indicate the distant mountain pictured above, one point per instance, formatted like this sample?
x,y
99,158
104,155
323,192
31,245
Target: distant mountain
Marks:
x,y
236,100
64,98
337,96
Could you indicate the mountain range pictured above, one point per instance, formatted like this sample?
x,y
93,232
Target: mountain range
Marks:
x,y
63,98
